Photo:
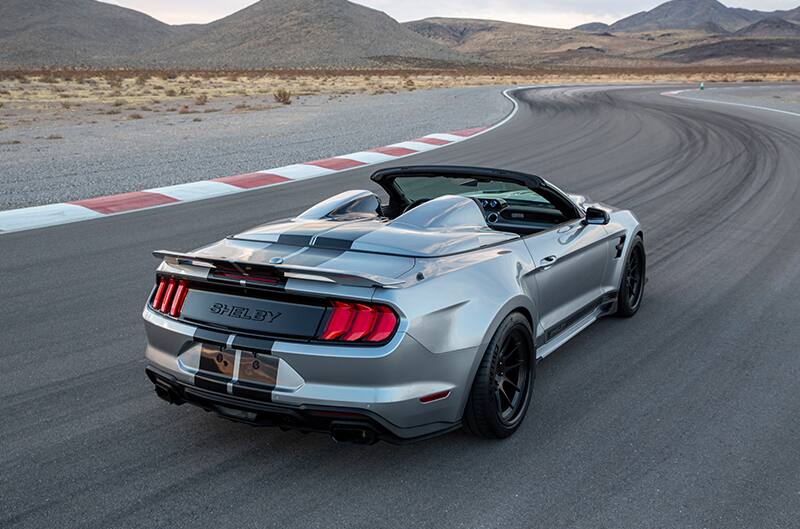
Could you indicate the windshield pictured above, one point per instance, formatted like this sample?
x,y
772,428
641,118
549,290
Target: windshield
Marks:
x,y
415,188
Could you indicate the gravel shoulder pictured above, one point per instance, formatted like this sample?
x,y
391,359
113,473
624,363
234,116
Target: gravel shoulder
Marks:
x,y
57,161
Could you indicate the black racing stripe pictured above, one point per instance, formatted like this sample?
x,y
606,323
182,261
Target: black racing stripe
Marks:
x,y
332,243
313,257
343,237
206,336
248,343
249,392
213,384
273,250
294,239
301,233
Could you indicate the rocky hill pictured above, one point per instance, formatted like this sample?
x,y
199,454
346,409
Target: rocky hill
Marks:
x,y
306,33
688,14
738,51
270,33
75,32
770,27
341,34
594,27
519,44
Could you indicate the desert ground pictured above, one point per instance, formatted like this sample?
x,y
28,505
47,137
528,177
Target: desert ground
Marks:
x,y
29,98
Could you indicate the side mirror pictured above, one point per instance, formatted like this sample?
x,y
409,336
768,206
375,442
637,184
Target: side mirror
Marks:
x,y
596,216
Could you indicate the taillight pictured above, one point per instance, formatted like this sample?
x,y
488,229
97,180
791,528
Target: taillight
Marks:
x,y
359,322
170,295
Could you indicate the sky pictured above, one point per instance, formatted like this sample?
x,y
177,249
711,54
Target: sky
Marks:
x,y
551,13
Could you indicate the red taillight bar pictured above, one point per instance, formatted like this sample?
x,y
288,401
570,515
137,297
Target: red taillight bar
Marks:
x,y
359,322
340,320
170,295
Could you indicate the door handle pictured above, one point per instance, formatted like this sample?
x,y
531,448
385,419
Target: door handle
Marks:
x,y
547,262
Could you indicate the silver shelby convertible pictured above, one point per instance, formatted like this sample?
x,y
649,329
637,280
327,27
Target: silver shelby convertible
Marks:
x,y
395,319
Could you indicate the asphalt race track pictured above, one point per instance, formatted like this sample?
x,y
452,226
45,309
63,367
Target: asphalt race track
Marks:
x,y
687,415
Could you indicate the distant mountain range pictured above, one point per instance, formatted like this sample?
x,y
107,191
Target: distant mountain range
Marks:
x,y
693,14
341,34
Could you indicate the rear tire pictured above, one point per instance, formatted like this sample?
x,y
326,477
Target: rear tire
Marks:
x,y
503,385
631,290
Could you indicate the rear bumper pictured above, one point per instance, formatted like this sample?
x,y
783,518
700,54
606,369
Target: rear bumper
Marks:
x,y
347,425
317,387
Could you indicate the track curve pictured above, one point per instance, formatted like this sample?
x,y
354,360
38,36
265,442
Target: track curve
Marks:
x,y
687,415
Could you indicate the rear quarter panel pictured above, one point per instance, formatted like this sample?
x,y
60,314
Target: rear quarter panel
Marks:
x,y
461,300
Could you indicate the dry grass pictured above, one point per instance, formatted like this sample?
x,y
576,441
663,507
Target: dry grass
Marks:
x,y
109,91
282,96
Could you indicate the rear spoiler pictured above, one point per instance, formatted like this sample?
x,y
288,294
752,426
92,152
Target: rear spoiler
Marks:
x,y
289,271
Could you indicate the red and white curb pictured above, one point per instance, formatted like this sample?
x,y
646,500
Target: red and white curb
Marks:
x,y
91,208
99,207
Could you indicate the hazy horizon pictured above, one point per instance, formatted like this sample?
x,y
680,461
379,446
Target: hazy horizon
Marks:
x,y
551,13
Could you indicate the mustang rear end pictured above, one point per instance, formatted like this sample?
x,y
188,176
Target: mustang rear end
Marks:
x,y
273,345
392,321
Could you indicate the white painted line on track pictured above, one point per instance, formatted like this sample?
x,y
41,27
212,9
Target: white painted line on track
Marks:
x,y
677,93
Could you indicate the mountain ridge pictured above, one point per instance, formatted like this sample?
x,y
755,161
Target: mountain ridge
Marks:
x,y
341,34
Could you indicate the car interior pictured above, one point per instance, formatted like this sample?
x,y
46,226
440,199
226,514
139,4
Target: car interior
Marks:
x,y
506,206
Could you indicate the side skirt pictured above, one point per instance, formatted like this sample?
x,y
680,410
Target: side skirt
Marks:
x,y
565,330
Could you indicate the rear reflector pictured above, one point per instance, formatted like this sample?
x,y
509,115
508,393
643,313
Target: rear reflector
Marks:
x,y
359,322
439,395
170,295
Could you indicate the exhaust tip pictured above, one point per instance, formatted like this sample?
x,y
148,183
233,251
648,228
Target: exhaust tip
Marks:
x,y
353,435
168,394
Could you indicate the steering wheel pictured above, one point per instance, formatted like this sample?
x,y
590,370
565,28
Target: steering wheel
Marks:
x,y
415,204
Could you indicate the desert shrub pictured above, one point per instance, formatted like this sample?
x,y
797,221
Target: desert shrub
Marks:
x,y
170,93
201,100
119,103
282,96
141,80
135,116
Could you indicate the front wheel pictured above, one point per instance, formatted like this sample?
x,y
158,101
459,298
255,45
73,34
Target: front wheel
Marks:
x,y
631,290
503,385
